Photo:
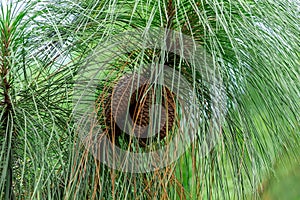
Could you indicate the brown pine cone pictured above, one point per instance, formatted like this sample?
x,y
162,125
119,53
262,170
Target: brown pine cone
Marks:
x,y
140,103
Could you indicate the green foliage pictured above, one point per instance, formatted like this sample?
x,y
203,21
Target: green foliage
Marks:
x,y
254,46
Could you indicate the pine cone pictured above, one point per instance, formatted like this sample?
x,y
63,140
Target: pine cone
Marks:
x,y
140,100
